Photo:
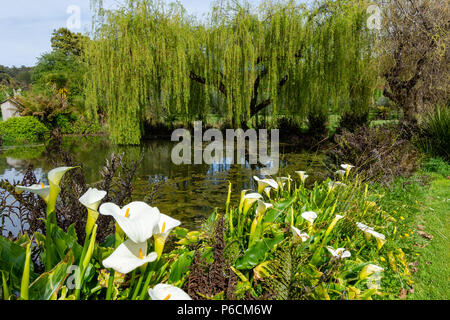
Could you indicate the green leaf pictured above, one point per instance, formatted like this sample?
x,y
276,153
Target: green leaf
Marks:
x,y
12,261
274,214
256,254
65,241
180,267
49,283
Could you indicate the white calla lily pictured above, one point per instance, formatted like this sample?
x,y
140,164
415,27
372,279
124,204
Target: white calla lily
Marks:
x,y
41,190
368,232
369,270
260,212
55,175
249,200
347,168
162,230
167,292
137,219
302,174
264,183
309,216
298,235
339,253
91,200
341,174
282,181
129,256
335,184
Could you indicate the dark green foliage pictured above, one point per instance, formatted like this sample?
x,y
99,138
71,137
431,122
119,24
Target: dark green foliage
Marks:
x,y
352,120
317,124
22,130
67,42
434,135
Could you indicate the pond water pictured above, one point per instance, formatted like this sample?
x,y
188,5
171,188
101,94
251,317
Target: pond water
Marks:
x,y
188,192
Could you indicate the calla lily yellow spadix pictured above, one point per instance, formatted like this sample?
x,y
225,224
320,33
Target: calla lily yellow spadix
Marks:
x,y
129,256
91,200
140,224
162,230
39,189
167,292
264,183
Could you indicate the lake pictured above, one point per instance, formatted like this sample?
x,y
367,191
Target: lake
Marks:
x,y
188,192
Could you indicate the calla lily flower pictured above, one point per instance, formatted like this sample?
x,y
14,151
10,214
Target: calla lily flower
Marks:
x,y
260,211
137,219
249,200
55,175
369,270
298,235
167,292
303,176
340,253
341,174
334,184
368,231
282,181
162,230
309,216
41,190
264,183
347,167
91,200
129,256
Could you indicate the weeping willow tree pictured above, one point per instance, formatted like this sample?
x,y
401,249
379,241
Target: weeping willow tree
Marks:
x,y
152,61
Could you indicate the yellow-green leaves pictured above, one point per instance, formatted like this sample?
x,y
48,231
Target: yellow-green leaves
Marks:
x,y
26,274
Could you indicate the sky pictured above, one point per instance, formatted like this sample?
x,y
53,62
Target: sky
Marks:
x,y
26,25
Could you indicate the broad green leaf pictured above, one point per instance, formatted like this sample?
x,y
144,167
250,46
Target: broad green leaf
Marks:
x,y
49,283
256,254
180,267
12,261
275,213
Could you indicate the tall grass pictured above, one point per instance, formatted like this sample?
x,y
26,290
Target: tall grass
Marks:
x,y
435,133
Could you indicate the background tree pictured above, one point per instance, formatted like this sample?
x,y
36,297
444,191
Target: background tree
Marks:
x,y
67,42
152,61
415,51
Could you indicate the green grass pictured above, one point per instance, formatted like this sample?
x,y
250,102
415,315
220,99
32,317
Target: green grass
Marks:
x,y
421,205
432,280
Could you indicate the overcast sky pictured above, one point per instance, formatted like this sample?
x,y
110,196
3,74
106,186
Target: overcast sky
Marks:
x,y
26,25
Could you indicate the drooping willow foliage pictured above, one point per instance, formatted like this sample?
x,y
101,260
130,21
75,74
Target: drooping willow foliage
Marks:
x,y
151,61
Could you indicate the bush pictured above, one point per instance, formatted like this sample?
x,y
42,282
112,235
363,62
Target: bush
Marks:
x,y
351,121
381,153
317,124
22,130
434,133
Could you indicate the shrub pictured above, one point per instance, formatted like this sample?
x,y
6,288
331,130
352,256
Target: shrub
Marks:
x,y
434,133
380,153
351,121
22,130
317,124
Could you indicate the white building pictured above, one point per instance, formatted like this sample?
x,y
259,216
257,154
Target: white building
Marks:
x,y
9,108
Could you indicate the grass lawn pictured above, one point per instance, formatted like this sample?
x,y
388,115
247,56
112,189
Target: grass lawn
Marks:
x,y
421,207
432,278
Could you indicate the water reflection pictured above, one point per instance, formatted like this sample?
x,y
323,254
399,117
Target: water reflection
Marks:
x,y
188,193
